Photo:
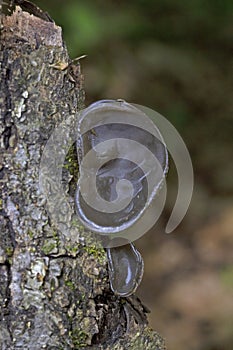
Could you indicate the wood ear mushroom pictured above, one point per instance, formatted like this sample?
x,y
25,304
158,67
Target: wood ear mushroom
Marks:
x,y
116,154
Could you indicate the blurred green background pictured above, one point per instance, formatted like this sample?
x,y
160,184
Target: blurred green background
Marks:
x,y
175,57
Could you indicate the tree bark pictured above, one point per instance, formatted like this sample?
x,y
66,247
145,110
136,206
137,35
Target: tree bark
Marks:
x,y
54,288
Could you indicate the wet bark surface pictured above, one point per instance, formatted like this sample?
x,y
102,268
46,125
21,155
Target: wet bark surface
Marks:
x,y
54,288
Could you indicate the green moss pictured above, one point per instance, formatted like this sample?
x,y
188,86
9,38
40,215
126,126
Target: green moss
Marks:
x,y
97,252
92,246
52,285
73,250
76,223
30,234
0,203
52,242
54,234
9,251
147,339
71,164
70,285
48,247
79,338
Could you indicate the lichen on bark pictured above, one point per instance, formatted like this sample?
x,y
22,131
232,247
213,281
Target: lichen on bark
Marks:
x,y
54,289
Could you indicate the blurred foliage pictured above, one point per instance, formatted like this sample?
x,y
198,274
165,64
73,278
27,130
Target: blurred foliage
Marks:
x,y
88,24
178,51
175,57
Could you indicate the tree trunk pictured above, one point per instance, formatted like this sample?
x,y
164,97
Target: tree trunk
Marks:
x,y
54,288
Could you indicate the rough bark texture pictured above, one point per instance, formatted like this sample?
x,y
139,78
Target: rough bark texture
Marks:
x,y
54,290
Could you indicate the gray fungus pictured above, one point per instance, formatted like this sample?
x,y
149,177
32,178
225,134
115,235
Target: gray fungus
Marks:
x,y
100,123
125,269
